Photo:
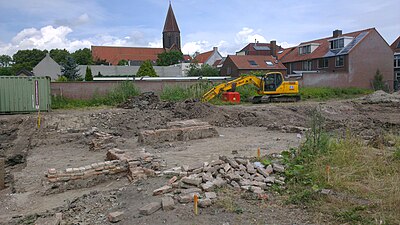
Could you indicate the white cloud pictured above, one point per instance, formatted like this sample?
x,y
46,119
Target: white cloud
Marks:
x,y
50,37
156,44
247,35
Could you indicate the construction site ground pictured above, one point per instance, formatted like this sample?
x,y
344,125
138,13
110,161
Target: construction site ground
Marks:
x,y
61,143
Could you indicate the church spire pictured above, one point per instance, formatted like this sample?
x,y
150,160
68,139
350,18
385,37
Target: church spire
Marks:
x,y
171,32
170,22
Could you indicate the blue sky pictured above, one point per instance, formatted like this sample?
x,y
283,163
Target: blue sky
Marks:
x,y
227,24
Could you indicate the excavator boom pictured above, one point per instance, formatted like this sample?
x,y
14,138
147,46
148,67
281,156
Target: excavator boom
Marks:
x,y
232,85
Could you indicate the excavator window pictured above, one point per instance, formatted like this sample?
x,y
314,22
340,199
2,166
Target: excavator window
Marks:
x,y
272,82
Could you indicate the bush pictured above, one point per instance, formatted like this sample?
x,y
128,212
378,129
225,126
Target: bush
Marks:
x,y
146,69
378,82
88,75
62,79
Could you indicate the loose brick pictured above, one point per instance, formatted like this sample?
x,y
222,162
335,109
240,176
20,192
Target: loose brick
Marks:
x,y
167,203
115,216
150,208
162,190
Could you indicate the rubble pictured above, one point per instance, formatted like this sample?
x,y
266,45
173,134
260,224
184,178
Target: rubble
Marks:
x,y
101,141
167,203
119,163
178,131
381,97
150,208
115,216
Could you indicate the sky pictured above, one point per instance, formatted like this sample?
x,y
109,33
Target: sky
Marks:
x,y
204,24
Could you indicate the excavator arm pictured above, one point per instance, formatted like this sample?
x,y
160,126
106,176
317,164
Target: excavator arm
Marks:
x,y
250,79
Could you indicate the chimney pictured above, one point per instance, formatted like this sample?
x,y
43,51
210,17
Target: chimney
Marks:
x,y
337,33
273,48
215,49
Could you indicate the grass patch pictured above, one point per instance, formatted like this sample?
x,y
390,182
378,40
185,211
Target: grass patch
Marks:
x,y
227,199
118,95
178,93
367,176
324,93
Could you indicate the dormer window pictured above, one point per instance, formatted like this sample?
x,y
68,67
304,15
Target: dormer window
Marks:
x,y
340,42
307,48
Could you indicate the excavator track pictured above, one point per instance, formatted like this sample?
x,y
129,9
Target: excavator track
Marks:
x,y
275,99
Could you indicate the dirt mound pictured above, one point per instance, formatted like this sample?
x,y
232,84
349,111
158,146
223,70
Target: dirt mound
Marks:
x,y
193,109
382,97
142,101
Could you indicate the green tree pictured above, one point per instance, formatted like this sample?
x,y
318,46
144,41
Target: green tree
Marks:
x,y
204,70
70,69
146,69
378,82
59,55
100,62
83,56
5,60
169,58
123,62
88,75
5,71
27,59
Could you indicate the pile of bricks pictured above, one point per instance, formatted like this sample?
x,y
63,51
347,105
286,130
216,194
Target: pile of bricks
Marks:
x,y
119,163
102,140
240,173
178,131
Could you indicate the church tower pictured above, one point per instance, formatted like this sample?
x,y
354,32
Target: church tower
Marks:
x,y
171,33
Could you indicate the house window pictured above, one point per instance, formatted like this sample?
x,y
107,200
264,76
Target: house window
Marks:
x,y
253,63
229,70
269,63
307,65
397,61
305,49
338,43
323,63
339,61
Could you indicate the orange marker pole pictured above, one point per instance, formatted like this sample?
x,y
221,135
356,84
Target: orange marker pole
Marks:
x,y
258,153
196,200
328,171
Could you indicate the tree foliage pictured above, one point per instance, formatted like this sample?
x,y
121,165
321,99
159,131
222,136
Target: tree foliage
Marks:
x,y
83,56
5,71
204,70
59,55
5,60
123,62
27,59
88,75
146,69
378,82
169,58
70,69
100,62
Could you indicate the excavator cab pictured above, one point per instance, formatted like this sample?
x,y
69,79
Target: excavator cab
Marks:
x,y
272,81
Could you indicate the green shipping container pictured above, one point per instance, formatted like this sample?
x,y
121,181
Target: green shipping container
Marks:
x,y
23,94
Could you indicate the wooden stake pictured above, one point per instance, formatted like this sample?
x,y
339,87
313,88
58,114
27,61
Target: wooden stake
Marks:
x,y
196,200
328,171
258,153
38,122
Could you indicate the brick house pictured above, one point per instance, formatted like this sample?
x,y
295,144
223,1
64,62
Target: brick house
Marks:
x,y
342,60
236,65
396,50
257,48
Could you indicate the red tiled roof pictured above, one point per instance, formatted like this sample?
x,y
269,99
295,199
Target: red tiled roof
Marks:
x,y
203,57
396,45
284,52
114,54
217,62
187,58
321,50
170,23
242,62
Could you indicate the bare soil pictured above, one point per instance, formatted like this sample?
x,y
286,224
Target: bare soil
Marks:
x,y
60,143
